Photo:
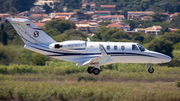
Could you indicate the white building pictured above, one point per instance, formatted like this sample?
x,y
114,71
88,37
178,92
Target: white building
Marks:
x,y
42,2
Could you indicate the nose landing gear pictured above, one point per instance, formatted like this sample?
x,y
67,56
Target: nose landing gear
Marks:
x,y
150,70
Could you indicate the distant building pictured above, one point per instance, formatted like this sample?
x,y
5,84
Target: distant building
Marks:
x,y
102,13
68,14
86,1
140,30
138,14
112,17
88,7
78,16
37,10
88,27
38,17
174,15
40,25
173,29
36,14
121,26
109,7
24,14
74,16
155,30
3,17
60,17
147,18
42,2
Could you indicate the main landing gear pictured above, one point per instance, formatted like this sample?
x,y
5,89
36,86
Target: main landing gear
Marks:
x,y
150,70
94,70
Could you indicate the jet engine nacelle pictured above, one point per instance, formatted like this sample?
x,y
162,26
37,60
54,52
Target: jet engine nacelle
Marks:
x,y
69,45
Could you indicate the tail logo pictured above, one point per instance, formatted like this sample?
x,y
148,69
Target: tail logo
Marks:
x,y
36,34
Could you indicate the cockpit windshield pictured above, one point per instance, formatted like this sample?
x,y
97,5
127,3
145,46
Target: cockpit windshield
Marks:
x,y
141,47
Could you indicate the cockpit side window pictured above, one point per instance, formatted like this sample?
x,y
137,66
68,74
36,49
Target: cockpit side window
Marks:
x,y
134,47
141,47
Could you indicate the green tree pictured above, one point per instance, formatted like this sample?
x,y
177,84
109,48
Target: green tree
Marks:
x,y
98,35
158,17
138,36
173,36
4,38
7,6
133,24
161,45
61,37
60,25
175,22
163,30
47,8
38,59
52,32
119,35
148,38
4,35
75,33
22,5
144,5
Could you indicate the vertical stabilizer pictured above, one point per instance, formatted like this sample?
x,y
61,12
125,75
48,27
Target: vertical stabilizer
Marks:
x,y
29,32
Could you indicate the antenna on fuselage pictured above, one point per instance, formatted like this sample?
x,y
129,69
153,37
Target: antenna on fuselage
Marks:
x,y
88,39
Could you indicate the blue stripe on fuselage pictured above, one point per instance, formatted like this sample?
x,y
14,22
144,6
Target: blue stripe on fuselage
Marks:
x,y
110,53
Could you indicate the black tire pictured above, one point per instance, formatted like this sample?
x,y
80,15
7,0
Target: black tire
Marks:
x,y
90,70
151,70
96,71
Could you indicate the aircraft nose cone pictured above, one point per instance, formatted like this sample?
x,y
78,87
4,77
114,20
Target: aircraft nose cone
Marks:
x,y
166,58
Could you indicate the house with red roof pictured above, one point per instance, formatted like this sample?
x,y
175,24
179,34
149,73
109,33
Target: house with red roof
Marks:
x,y
112,17
88,27
109,7
38,17
102,13
149,18
40,25
88,7
173,15
173,29
121,26
154,30
3,17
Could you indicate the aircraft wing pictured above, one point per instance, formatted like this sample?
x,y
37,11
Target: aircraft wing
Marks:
x,y
98,60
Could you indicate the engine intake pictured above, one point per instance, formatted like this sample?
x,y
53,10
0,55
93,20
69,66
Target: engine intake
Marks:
x,y
57,46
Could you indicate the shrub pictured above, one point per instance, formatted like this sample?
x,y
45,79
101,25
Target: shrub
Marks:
x,y
87,79
177,46
6,55
177,83
39,59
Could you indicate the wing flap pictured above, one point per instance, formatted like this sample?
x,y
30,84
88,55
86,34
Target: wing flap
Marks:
x,y
100,60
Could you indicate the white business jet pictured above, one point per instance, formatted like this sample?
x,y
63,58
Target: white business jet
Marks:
x,y
92,54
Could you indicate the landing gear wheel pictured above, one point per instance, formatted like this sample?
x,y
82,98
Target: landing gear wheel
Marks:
x,y
90,70
96,71
150,70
